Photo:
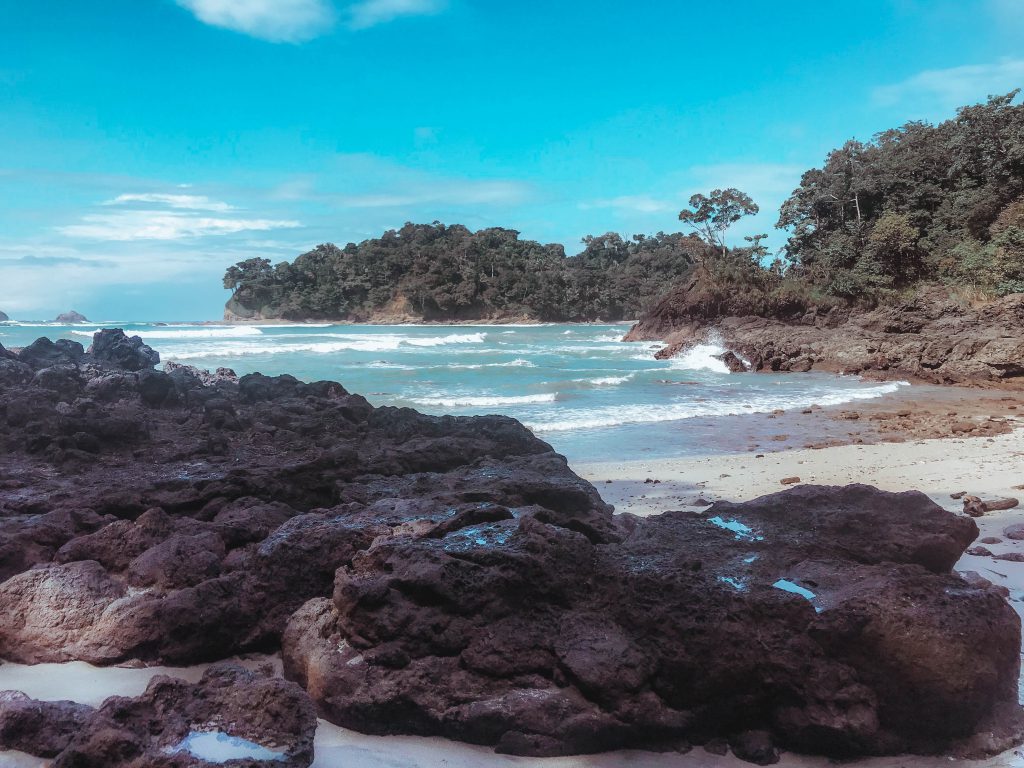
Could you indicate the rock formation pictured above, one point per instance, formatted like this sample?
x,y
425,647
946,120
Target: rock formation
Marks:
x,y
71,317
3,317
452,576
928,337
240,714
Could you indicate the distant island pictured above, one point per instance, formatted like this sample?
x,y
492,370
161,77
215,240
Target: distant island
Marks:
x,y
3,317
71,317
918,208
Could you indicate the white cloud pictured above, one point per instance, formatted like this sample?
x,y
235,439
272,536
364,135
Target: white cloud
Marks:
x,y
370,13
163,225
632,204
765,182
186,202
277,21
943,90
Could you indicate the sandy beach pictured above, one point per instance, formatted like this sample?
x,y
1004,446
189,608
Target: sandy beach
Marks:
x,y
988,467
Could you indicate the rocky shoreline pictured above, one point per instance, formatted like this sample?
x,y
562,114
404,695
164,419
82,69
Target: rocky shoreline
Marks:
x,y
928,337
452,576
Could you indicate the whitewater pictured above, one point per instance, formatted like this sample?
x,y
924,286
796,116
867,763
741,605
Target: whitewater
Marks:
x,y
579,387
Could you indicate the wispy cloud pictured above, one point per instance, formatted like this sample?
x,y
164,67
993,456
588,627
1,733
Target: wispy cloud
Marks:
x,y
942,90
185,202
369,13
182,216
632,204
276,21
164,225
765,182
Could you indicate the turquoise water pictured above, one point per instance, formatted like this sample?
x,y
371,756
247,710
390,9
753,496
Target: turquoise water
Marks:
x,y
580,388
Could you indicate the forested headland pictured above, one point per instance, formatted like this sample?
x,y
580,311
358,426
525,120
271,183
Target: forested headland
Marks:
x,y
917,205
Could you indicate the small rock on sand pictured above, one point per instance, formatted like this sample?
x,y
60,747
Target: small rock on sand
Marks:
x,y
790,480
997,505
1015,531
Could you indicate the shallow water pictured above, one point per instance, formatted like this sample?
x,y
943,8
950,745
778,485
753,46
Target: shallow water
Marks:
x,y
217,747
590,395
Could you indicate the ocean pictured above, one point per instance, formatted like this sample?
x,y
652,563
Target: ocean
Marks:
x,y
578,387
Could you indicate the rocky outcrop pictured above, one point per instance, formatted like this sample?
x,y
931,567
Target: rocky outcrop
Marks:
x,y
928,337
3,317
71,317
442,575
111,346
231,714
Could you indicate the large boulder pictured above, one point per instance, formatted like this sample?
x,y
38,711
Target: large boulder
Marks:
x,y
113,347
828,618
43,353
231,715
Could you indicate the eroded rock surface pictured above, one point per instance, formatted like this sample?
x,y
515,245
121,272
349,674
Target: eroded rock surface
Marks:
x,y
232,714
452,576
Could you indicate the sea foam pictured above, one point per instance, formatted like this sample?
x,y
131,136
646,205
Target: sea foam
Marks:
x,y
613,416
470,401
211,332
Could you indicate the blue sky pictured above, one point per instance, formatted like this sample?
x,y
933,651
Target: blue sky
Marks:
x,y
145,145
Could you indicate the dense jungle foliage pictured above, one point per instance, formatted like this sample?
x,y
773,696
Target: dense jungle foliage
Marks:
x,y
920,204
448,272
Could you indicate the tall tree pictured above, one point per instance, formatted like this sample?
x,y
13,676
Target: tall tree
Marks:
x,y
713,214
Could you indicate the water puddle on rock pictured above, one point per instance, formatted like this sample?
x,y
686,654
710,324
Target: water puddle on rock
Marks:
x,y
743,532
219,747
796,589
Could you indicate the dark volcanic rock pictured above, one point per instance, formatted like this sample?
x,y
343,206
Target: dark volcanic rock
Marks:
x,y
188,515
42,728
43,353
442,575
822,617
167,725
928,337
131,354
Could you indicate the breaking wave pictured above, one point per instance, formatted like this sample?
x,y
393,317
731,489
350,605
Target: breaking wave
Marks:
x,y
212,332
461,401
614,416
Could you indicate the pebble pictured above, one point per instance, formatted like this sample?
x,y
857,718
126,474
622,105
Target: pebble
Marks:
x,y
790,480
